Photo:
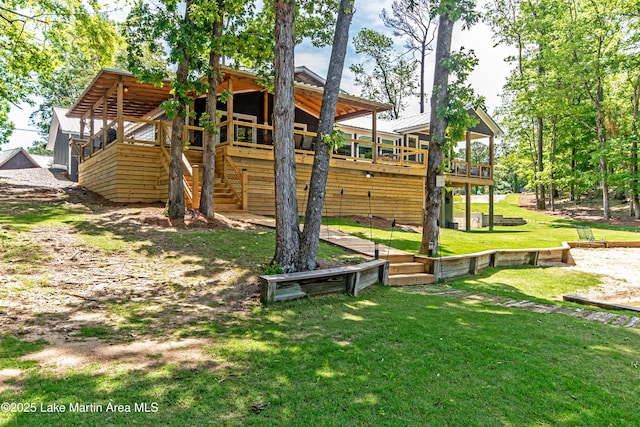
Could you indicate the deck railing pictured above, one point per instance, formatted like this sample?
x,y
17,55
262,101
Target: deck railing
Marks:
x,y
470,170
238,133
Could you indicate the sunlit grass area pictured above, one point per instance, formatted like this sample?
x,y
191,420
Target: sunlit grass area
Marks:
x,y
541,231
391,357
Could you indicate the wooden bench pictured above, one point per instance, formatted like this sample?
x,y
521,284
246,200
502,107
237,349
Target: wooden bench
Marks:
x,y
351,278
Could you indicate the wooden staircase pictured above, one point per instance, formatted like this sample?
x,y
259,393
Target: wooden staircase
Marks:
x,y
224,198
405,271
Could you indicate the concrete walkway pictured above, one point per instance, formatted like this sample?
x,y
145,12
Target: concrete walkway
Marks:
x,y
328,234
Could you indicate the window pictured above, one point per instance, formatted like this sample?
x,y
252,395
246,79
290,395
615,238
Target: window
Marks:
x,y
242,133
412,142
364,150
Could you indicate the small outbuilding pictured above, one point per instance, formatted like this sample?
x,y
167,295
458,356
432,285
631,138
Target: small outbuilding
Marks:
x,y
17,158
61,131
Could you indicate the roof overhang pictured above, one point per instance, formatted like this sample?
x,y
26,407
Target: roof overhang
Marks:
x,y
141,99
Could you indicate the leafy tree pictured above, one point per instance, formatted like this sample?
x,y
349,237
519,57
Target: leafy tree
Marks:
x,y
168,29
287,231
389,79
310,237
31,49
413,19
445,110
90,43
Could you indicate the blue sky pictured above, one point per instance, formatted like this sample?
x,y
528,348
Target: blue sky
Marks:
x,y
487,79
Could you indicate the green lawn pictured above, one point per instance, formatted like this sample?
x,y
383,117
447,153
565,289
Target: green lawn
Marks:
x,y
391,357
541,231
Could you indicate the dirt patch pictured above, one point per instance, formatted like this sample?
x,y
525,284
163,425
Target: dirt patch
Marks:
x,y
120,307
587,209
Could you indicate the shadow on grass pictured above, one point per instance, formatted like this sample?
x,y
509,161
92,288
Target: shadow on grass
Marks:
x,y
392,357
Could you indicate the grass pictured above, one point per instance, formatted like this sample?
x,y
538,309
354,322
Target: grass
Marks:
x,y
541,231
391,357
533,283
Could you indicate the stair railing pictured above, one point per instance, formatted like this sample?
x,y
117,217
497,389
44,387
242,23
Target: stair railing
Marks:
x,y
237,180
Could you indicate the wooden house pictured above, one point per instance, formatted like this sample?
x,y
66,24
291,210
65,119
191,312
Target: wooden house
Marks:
x,y
379,169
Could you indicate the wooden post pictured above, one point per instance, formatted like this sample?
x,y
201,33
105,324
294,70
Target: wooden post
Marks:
x,y
231,129
105,119
491,161
374,136
245,190
467,207
195,183
468,152
491,207
120,114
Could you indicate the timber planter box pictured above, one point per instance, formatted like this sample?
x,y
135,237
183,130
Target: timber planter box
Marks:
x,y
350,279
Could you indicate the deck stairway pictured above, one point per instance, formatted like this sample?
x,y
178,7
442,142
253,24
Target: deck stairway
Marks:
x,y
405,271
224,198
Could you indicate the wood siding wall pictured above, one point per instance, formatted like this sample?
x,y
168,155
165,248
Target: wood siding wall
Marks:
x,y
126,173
393,195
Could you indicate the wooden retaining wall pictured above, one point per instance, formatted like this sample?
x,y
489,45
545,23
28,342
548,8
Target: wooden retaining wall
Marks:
x,y
351,279
472,264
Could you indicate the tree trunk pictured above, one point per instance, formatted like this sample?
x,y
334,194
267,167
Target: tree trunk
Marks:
x,y
552,160
287,228
433,193
423,54
318,185
542,205
602,140
210,131
175,202
635,185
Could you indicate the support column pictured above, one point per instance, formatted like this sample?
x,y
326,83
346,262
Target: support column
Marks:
x,y
468,152
467,206
491,161
231,131
491,208
105,120
120,113
374,136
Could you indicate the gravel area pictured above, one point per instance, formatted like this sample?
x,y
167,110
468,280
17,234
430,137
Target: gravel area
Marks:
x,y
619,270
36,178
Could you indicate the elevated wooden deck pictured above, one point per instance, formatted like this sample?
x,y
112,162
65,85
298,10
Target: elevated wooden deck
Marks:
x,y
132,166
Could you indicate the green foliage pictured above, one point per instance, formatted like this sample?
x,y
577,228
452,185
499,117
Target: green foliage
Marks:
x,y
38,40
576,70
6,126
272,268
388,78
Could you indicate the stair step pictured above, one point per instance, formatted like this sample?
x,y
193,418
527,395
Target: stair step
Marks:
x,y
226,207
399,258
410,279
406,267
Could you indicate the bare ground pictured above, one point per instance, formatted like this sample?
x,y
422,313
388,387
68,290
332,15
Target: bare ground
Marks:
x,y
619,268
140,305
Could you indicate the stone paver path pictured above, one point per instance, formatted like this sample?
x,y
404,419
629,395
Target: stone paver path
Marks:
x,y
623,320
